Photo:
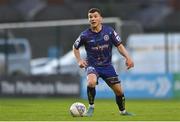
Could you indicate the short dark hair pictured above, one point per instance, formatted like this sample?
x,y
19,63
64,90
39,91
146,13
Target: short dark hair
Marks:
x,y
92,10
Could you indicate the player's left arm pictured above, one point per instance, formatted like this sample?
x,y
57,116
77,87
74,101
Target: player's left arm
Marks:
x,y
116,40
122,50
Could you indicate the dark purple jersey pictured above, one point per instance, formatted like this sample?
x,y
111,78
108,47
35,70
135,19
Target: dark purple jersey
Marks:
x,y
99,45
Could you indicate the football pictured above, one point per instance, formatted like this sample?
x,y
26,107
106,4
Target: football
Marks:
x,y
78,109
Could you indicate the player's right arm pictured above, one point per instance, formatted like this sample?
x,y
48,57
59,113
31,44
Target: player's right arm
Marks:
x,y
81,62
79,42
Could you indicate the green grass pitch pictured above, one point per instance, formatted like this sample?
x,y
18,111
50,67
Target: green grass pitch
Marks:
x,y
106,110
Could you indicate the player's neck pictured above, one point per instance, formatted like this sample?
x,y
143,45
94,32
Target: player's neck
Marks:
x,y
97,28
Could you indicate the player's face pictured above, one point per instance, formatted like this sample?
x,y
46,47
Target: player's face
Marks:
x,y
95,19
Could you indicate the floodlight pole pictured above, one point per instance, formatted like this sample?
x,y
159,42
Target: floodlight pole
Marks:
x,y
6,55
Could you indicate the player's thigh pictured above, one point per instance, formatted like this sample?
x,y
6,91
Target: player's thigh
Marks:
x,y
91,76
117,89
115,85
92,79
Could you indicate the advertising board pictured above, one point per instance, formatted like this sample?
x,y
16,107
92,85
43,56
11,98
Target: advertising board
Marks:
x,y
136,86
176,87
52,85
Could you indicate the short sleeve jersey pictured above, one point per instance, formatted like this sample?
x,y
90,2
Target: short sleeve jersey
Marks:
x,y
99,45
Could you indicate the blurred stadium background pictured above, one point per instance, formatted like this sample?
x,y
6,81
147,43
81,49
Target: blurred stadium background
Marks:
x,y
36,37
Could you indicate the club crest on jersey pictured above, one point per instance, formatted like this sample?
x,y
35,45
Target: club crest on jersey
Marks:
x,y
106,37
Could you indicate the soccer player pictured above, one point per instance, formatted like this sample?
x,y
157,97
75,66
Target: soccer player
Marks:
x,y
98,40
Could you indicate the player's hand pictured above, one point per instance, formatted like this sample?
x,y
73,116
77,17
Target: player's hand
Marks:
x,y
129,63
82,63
